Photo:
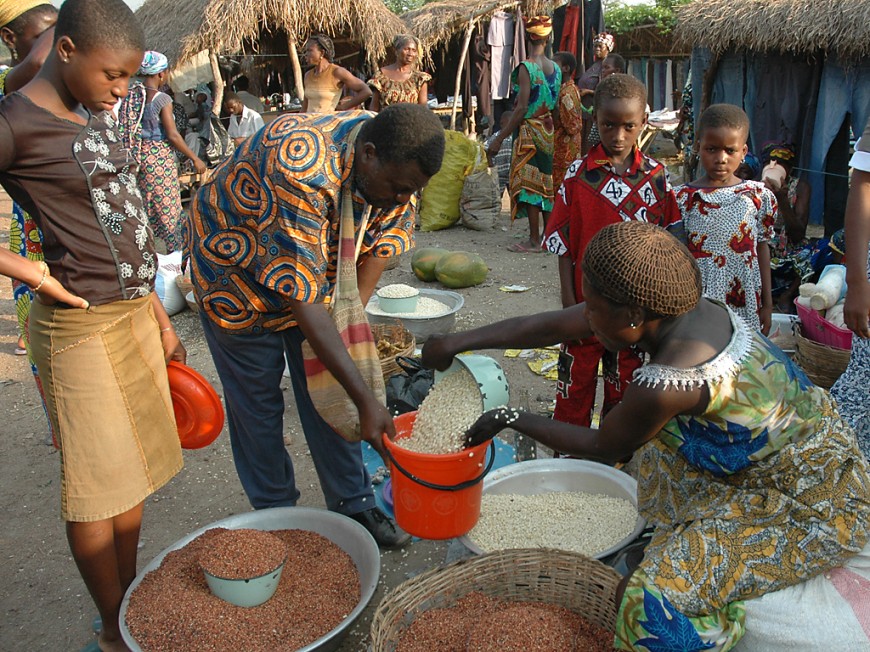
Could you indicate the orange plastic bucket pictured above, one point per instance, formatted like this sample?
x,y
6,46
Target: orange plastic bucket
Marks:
x,y
436,496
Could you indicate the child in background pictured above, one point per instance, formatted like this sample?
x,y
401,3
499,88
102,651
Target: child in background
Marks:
x,y
568,120
98,333
614,182
729,221
612,64
502,160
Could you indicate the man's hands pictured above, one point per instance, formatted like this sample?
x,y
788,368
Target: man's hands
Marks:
x,y
374,422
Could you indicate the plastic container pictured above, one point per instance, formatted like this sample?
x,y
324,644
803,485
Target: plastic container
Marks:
x,y
398,305
436,496
199,415
563,475
423,327
816,328
490,377
245,592
346,533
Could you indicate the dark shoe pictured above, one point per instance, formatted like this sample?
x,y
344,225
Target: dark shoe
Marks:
x,y
382,528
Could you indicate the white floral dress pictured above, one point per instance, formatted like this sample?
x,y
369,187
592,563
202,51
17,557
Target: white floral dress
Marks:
x,y
724,227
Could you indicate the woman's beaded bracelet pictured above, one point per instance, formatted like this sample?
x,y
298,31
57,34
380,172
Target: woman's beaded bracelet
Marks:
x,y
42,280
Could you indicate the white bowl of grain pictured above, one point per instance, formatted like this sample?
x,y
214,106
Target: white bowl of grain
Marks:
x,y
566,504
398,298
435,313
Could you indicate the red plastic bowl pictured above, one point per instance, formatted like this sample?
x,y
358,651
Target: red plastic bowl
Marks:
x,y
199,414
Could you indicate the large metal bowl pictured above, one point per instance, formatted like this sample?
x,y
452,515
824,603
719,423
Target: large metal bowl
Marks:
x,y
346,533
423,327
561,474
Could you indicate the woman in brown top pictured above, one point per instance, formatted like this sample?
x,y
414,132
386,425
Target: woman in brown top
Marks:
x,y
401,81
98,334
326,81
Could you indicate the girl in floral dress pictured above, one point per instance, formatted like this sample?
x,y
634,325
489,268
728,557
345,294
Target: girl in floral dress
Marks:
x,y
729,221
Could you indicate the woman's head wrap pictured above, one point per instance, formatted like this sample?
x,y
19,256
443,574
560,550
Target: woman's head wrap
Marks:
x,y
153,63
538,28
606,39
779,152
751,161
325,44
12,9
640,264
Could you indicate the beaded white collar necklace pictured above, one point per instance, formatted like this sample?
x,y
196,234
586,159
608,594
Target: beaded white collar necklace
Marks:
x,y
725,364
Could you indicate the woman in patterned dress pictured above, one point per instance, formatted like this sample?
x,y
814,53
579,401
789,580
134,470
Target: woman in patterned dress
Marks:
x,y
536,83
401,81
751,480
568,123
26,28
158,176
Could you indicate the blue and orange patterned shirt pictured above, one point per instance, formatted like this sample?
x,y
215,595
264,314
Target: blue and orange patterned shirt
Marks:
x,y
264,229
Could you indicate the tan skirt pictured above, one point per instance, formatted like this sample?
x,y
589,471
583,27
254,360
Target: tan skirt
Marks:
x,y
107,396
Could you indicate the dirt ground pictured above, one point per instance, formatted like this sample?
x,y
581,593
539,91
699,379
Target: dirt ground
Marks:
x,y
45,605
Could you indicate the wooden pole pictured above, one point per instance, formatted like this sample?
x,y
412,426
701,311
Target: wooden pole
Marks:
x,y
218,83
465,43
297,69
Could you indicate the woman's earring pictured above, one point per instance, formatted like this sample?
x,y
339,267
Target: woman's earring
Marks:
x,y
633,325
14,54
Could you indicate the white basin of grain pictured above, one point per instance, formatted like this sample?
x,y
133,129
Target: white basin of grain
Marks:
x,y
556,476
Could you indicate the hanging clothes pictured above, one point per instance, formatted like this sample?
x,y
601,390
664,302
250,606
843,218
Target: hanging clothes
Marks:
x,y
481,77
845,89
500,38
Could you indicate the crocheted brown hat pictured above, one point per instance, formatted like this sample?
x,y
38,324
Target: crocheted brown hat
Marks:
x,y
636,263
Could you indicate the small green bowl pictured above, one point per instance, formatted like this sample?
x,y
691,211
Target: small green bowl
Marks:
x,y
245,592
403,305
490,377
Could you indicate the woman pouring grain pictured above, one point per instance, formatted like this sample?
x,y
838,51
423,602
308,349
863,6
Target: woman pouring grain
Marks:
x,y
719,421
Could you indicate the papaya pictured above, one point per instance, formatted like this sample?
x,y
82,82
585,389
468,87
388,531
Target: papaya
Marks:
x,y
461,269
424,260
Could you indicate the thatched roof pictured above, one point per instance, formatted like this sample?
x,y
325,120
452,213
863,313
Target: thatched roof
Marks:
x,y
181,28
169,23
649,41
798,26
436,23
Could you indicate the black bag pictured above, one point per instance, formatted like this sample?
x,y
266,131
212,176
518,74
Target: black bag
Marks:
x,y
405,392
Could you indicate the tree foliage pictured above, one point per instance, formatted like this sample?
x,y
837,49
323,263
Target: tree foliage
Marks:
x,y
621,19
399,7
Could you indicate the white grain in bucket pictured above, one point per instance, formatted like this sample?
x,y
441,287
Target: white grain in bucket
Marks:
x,y
398,291
450,408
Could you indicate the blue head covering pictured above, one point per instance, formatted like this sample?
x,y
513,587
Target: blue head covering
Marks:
x,y
153,63
752,162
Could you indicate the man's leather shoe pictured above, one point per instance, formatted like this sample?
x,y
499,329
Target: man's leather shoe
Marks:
x,y
382,528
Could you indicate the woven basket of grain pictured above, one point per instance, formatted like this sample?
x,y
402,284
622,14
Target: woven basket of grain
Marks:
x,y
822,364
566,579
393,340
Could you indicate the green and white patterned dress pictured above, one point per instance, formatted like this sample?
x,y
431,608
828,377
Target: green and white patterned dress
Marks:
x,y
763,491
